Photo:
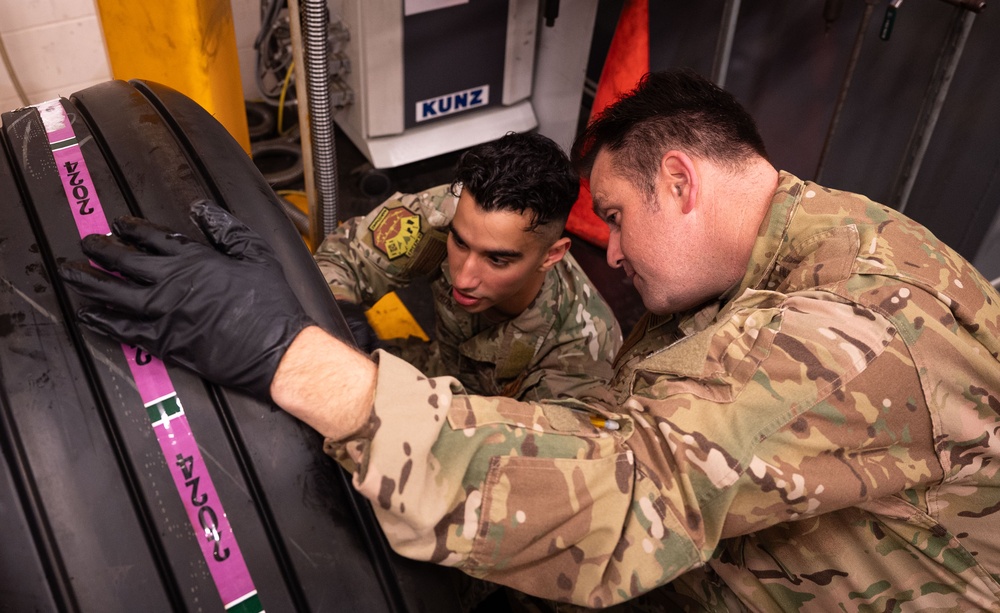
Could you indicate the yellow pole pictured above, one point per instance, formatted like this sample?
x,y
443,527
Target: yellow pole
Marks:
x,y
189,45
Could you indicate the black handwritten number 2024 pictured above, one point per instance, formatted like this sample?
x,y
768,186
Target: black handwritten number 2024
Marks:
x,y
81,193
206,514
141,357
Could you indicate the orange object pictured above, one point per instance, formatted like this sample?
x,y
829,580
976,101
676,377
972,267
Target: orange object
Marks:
x,y
626,62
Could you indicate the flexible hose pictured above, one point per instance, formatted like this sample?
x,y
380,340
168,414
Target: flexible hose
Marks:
x,y
281,98
299,219
315,20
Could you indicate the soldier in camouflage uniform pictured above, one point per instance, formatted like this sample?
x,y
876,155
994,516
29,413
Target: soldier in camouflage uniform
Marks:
x,y
809,426
514,313
806,420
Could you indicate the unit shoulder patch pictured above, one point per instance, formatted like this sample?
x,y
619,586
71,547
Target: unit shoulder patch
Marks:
x,y
396,232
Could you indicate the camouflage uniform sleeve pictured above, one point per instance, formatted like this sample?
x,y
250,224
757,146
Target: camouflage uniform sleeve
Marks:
x,y
473,482
400,240
738,428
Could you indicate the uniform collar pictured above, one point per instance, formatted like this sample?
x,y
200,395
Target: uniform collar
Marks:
x,y
772,237
511,344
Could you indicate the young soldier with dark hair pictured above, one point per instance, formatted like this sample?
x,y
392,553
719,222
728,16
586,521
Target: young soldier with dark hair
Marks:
x,y
514,313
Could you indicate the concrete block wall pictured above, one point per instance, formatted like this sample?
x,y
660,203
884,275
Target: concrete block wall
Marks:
x,y
246,22
56,47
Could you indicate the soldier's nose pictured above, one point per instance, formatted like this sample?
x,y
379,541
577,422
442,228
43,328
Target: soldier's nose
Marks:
x,y
614,253
465,278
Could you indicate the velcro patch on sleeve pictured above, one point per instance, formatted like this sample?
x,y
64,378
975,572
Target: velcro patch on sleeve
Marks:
x,y
396,232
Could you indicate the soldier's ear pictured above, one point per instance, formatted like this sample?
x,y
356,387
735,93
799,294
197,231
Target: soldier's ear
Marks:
x,y
555,254
678,180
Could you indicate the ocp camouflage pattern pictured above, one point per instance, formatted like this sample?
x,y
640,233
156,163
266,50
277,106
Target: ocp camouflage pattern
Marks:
x,y
822,438
360,272
562,345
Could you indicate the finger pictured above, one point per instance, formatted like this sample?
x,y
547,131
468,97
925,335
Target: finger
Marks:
x,y
104,288
147,335
119,326
151,237
113,254
227,233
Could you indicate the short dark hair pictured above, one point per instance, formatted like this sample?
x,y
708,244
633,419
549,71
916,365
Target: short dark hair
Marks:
x,y
520,172
676,109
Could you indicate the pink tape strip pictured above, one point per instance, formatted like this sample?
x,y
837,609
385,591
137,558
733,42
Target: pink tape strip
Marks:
x,y
190,474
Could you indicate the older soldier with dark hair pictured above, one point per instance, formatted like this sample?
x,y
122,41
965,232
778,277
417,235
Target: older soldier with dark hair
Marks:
x,y
514,313
807,419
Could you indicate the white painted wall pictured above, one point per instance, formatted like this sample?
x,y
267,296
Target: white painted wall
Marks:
x,y
56,47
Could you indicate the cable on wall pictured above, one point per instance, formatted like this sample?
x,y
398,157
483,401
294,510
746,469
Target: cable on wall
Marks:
x,y
13,75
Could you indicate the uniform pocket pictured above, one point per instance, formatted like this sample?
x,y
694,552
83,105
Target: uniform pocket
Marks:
x,y
553,517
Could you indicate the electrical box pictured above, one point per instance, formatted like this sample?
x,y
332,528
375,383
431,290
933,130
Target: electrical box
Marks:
x,y
433,76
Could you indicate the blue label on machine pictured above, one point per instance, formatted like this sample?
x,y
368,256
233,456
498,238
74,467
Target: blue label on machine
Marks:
x,y
453,103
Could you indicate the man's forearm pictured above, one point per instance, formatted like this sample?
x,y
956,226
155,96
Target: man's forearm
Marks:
x,y
325,383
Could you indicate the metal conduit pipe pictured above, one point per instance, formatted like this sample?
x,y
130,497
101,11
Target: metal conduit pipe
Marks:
x,y
315,20
937,91
859,40
724,44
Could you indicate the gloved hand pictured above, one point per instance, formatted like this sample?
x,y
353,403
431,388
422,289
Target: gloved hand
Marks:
x,y
364,335
226,312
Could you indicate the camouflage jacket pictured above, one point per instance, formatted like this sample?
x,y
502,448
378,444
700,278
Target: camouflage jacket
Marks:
x,y
562,345
824,437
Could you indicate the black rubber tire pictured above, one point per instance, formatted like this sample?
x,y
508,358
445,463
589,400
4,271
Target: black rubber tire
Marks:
x,y
376,184
279,160
262,119
89,517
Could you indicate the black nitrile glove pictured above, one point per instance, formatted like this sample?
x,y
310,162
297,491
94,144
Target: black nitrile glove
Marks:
x,y
226,312
362,331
